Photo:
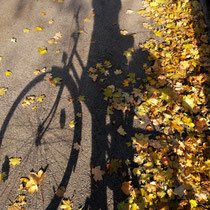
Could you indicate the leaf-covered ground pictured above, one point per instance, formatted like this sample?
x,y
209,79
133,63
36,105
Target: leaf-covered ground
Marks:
x,y
148,143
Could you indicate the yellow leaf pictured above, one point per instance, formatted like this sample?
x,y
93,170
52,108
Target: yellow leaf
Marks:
x,y
66,205
3,91
52,41
86,20
26,30
42,50
123,32
72,124
57,51
37,71
43,13
41,98
193,203
15,161
1,58
38,28
34,107
153,4
51,21
35,179
8,73
126,83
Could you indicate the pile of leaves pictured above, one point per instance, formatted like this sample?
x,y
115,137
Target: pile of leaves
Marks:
x,y
173,168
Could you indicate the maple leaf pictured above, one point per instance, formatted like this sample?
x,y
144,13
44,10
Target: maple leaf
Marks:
x,y
121,131
72,124
35,179
114,166
66,204
126,187
77,146
97,173
3,91
42,50
14,161
126,83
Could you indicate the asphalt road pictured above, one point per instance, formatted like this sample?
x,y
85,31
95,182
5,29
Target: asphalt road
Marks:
x,y
42,137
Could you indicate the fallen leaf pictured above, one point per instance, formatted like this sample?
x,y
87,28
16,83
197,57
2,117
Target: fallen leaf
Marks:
x,y
43,13
72,124
1,58
55,81
86,20
2,175
51,21
121,131
129,11
38,28
14,161
123,32
114,165
126,187
126,83
3,91
37,71
60,191
77,146
13,40
35,179
66,204
26,30
41,98
42,50
8,73
81,99
57,51
52,41
97,173
58,35
117,72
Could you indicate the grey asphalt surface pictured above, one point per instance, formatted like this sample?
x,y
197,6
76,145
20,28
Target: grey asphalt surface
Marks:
x,y
42,137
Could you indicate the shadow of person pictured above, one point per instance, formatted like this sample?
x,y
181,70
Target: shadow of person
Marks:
x,y
109,45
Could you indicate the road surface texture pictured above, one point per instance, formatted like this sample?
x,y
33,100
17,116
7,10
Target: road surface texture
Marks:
x,y
39,133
